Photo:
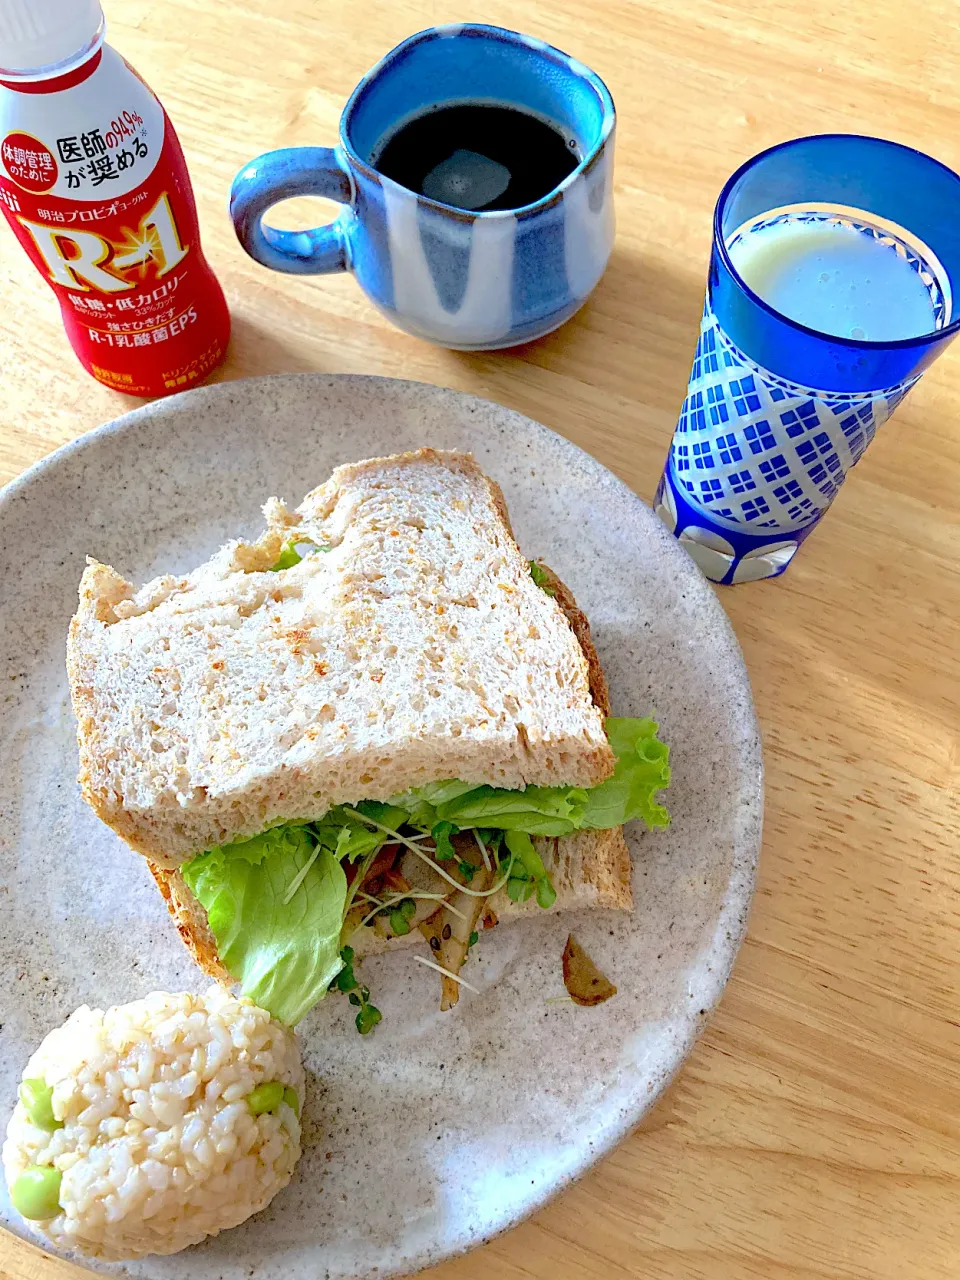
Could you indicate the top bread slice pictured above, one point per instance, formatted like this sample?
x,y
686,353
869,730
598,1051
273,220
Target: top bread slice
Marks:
x,y
415,647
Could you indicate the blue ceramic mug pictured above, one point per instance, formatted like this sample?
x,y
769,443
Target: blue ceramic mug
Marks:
x,y
472,281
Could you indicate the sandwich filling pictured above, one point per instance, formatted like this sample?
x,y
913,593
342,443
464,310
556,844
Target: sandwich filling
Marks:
x,y
285,905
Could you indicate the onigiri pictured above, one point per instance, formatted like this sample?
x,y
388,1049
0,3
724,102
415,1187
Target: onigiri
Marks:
x,y
152,1125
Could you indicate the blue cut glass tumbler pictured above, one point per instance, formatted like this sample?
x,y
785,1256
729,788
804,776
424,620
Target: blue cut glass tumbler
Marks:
x,y
832,282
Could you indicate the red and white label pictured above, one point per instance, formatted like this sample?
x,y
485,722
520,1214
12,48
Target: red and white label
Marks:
x,y
95,188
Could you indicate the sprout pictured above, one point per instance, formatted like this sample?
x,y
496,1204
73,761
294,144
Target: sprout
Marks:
x,y
368,1015
519,890
399,924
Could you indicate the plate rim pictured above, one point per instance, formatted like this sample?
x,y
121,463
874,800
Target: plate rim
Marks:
x,y
740,889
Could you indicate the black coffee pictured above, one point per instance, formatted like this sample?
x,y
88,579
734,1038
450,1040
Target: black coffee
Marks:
x,y
477,156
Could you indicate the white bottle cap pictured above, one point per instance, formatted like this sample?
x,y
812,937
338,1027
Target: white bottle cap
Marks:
x,y
42,38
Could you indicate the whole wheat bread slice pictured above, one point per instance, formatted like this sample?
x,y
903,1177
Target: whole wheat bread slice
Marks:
x,y
415,647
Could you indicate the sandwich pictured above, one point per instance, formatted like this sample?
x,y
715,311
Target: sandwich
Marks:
x,y
377,725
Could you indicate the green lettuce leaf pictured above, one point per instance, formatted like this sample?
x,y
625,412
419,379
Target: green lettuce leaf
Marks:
x,y
437,793
289,556
434,793
387,815
540,811
420,806
642,770
283,953
542,578
347,837
441,832
293,552
417,812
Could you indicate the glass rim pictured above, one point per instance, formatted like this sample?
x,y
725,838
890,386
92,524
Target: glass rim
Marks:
x,y
854,344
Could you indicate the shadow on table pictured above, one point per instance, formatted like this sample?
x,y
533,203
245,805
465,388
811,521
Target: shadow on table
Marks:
x,y
640,306
255,351
633,338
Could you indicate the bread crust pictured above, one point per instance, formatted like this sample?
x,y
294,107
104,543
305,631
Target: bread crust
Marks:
x,y
191,921
581,629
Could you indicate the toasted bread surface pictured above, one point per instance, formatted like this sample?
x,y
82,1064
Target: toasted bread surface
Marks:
x,y
413,646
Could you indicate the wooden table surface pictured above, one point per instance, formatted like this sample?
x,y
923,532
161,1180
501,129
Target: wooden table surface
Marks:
x,y
815,1131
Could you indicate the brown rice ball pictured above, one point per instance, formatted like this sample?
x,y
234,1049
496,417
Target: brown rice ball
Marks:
x,y
145,1138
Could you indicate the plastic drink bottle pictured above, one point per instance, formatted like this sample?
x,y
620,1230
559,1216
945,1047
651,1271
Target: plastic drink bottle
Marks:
x,y
95,187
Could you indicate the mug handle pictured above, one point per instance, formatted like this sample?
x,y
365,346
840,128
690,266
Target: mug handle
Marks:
x,y
281,175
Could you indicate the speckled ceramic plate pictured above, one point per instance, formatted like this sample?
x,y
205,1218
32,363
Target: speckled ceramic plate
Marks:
x,y
441,1129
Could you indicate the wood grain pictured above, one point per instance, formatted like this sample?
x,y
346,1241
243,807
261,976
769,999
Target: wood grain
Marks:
x,y
815,1132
